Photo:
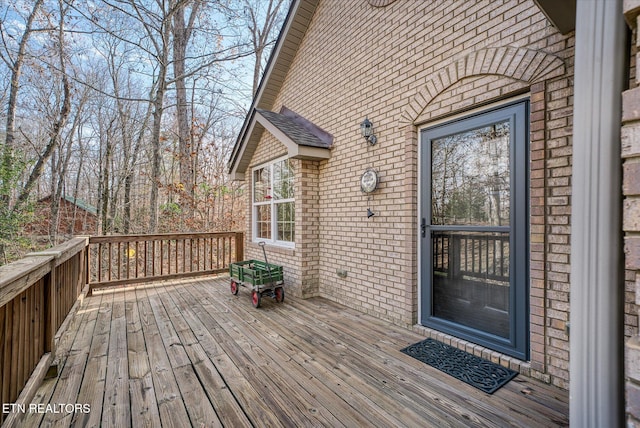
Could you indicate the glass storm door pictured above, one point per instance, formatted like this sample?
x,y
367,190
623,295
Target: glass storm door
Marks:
x,y
474,228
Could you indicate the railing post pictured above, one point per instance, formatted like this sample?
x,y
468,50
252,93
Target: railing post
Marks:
x,y
239,246
454,255
87,254
84,263
51,306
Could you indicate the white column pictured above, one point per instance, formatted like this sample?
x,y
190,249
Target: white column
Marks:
x,y
596,341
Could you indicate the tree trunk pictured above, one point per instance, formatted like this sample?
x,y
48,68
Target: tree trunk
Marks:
x,y
106,226
128,179
158,105
63,165
181,34
260,34
77,184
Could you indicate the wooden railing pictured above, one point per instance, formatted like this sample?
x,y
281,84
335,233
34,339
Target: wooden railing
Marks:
x,y
117,260
36,294
484,256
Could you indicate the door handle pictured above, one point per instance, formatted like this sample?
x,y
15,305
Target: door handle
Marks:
x,y
423,228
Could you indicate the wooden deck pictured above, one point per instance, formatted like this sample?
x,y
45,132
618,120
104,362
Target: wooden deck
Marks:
x,y
191,354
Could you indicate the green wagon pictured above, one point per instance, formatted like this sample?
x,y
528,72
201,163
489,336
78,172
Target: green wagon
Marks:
x,y
264,279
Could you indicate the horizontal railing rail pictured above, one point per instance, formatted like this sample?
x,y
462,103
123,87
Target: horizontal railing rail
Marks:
x,y
36,295
127,259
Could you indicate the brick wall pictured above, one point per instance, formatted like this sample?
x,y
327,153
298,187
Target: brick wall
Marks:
x,y
404,65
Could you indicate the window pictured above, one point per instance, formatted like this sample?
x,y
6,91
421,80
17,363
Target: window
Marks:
x,y
274,203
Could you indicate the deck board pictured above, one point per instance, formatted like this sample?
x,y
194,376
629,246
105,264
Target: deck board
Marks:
x,y
256,369
189,353
399,379
116,408
144,406
201,412
171,408
92,388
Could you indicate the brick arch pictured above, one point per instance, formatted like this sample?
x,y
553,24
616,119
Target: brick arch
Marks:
x,y
380,3
522,64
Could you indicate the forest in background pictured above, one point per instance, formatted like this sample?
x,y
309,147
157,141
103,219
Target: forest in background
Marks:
x,y
128,106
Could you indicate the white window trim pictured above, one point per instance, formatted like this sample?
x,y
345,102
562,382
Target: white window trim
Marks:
x,y
272,203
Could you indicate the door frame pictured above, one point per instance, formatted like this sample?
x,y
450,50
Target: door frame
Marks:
x,y
517,110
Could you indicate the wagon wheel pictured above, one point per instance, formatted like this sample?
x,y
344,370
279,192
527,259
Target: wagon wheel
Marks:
x,y
234,287
279,294
255,299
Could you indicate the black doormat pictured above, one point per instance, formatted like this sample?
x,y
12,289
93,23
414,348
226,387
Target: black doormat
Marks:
x,y
476,371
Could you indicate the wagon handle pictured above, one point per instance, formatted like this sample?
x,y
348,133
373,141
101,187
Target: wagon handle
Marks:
x,y
262,244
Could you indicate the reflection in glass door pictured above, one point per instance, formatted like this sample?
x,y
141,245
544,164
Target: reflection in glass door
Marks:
x,y
474,228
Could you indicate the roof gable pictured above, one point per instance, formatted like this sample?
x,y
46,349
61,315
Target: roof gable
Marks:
x,y
303,139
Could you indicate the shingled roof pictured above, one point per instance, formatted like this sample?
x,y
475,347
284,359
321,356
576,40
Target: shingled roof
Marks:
x,y
301,133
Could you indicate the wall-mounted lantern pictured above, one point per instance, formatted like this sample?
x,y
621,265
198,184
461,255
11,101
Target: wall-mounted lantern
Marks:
x,y
366,129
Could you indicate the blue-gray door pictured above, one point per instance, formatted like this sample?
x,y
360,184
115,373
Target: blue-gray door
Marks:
x,y
474,228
